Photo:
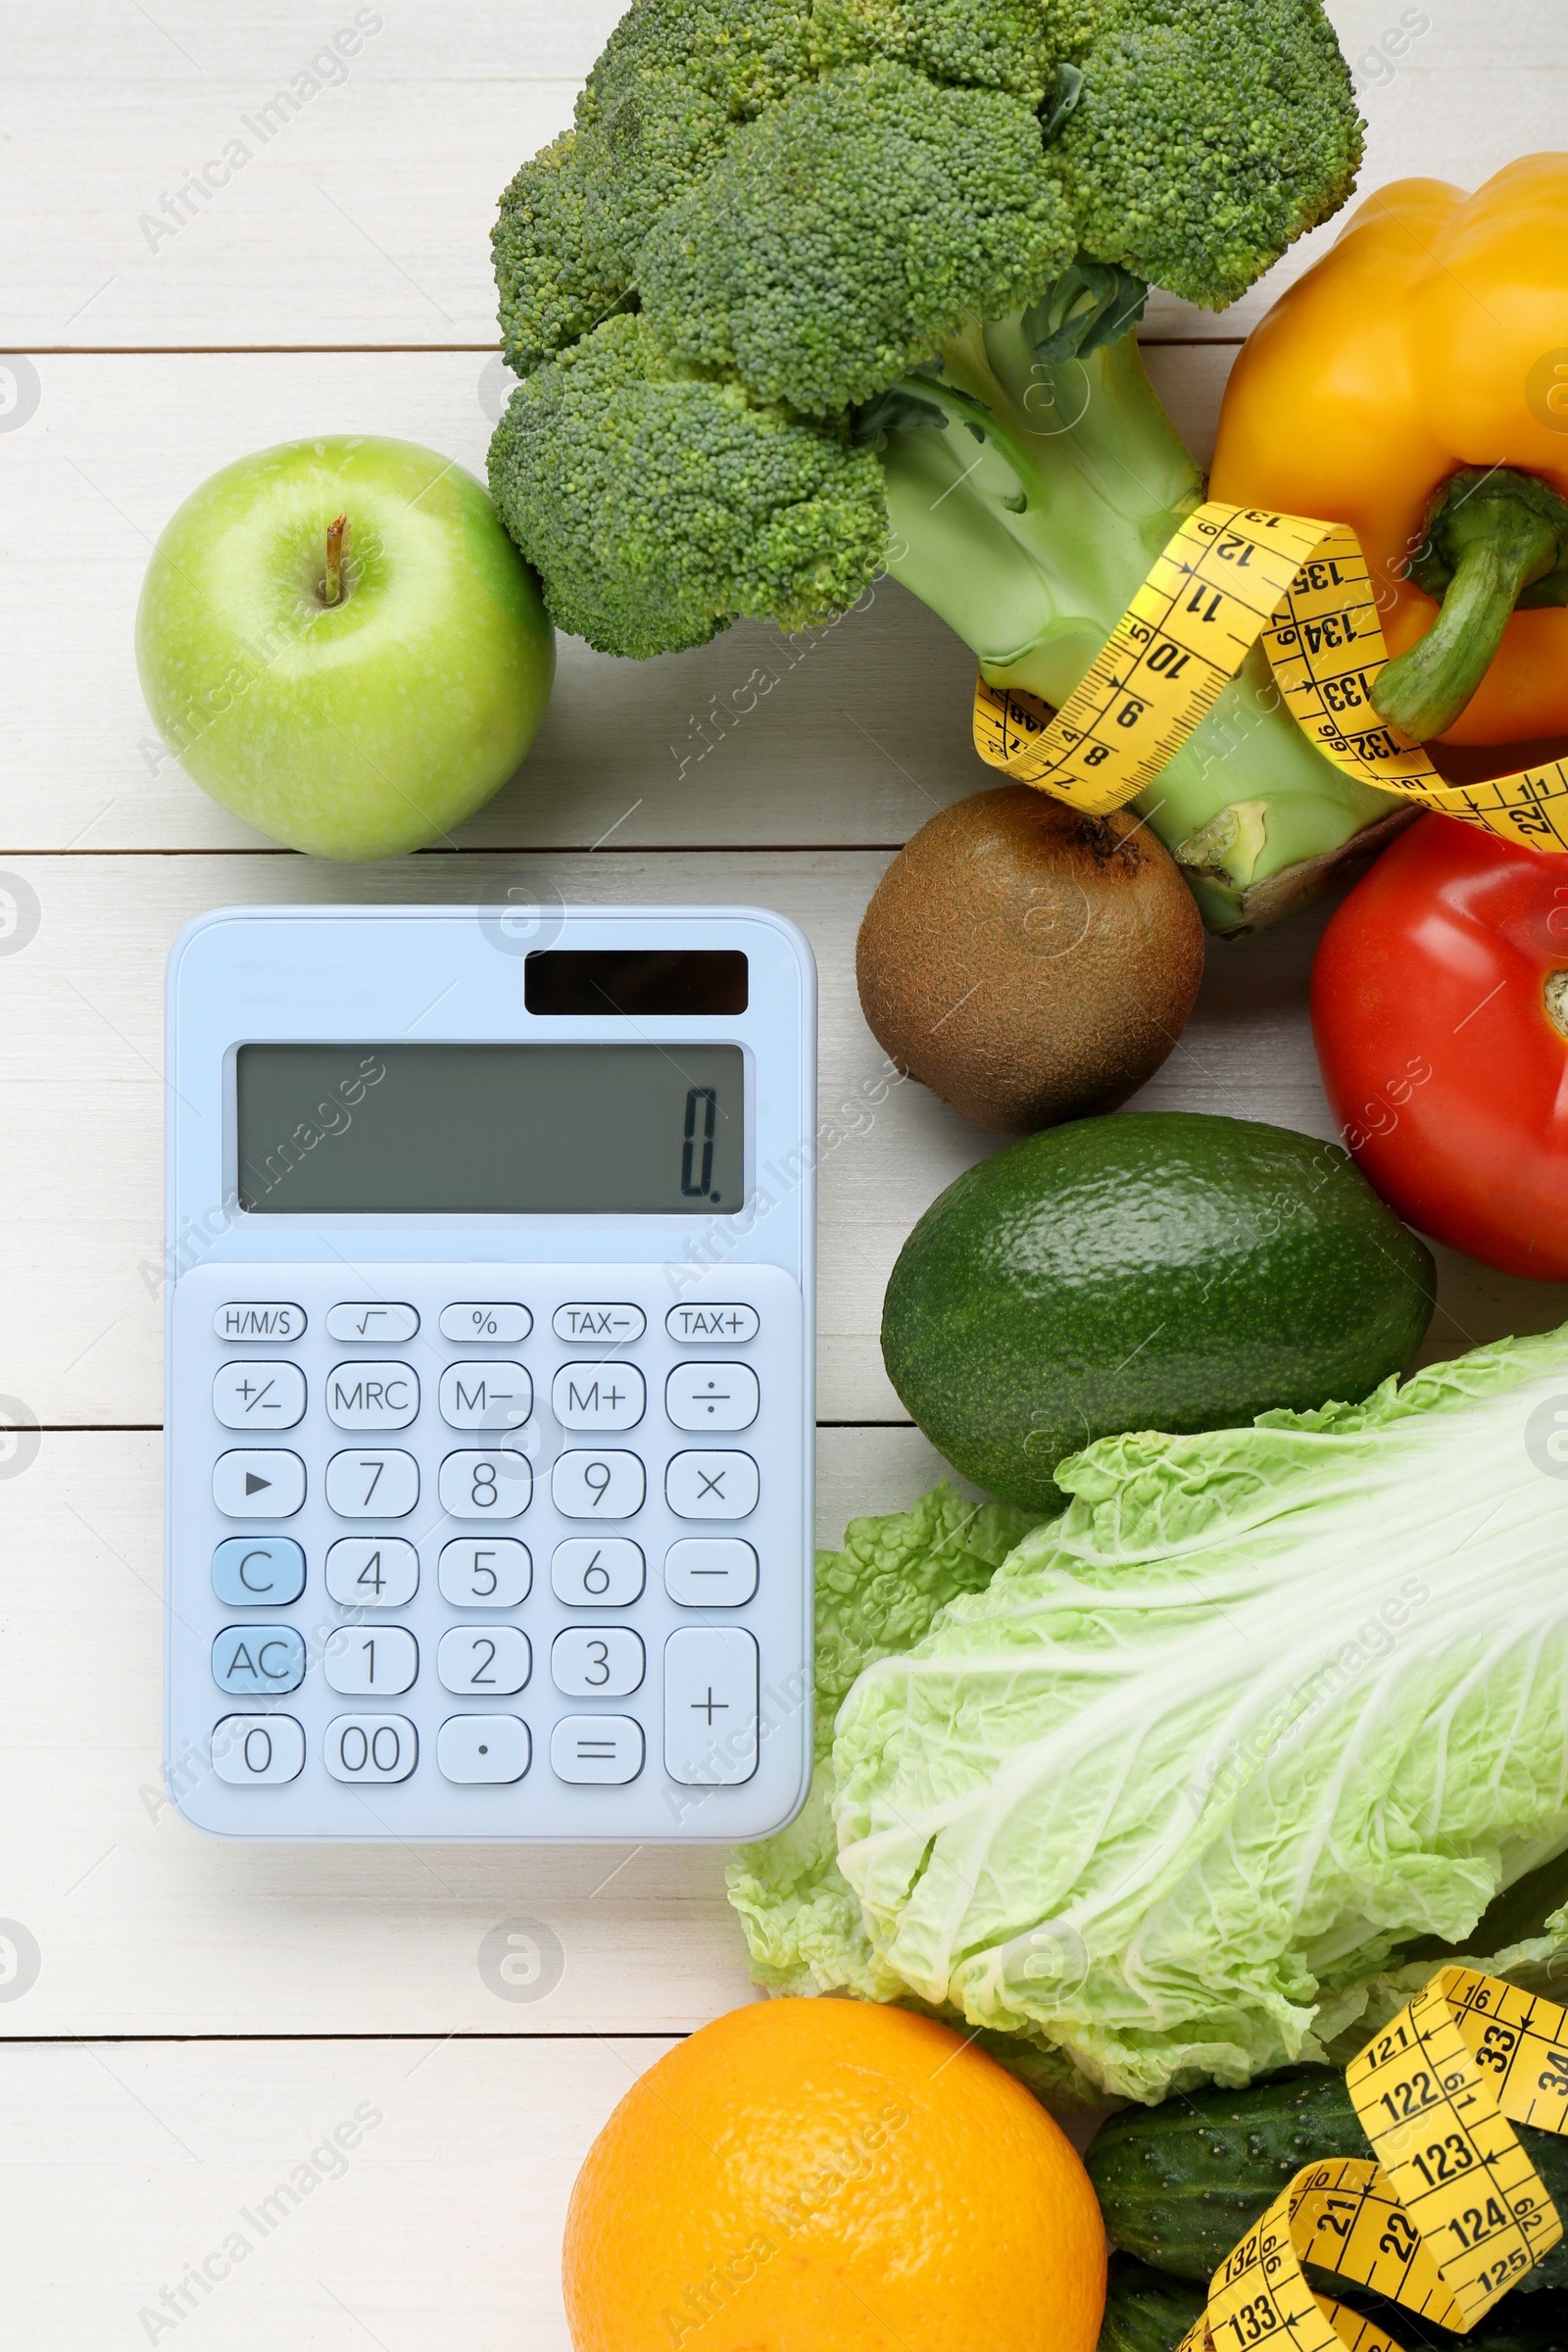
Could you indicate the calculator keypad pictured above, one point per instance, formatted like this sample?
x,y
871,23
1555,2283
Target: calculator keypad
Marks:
x,y
429,1641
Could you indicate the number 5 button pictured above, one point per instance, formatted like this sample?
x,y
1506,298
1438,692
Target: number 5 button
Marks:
x,y
710,1485
494,1483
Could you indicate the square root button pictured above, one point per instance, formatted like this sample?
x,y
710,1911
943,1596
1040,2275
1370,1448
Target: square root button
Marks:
x,y
710,1485
711,1706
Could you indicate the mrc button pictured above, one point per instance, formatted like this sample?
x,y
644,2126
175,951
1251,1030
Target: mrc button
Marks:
x,y
258,1319
732,1324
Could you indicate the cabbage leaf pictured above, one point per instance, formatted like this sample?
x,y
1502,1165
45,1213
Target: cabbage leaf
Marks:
x,y
1168,1792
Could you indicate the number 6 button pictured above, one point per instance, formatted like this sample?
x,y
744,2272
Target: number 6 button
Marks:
x,y
493,1484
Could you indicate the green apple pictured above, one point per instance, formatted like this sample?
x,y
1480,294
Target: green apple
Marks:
x,y
353,691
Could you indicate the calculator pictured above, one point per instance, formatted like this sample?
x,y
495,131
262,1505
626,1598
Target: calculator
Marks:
x,y
490,1372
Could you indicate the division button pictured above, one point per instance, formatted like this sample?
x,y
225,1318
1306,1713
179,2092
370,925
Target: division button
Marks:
x,y
711,1706
258,1319
483,1748
484,1661
258,1485
711,1395
730,1325
486,1396
257,1572
371,1484
597,1486
710,1571
249,1661
710,1485
259,1396
375,1659
589,1320
372,1323
597,1661
257,1752
598,1395
596,1748
369,1394
480,1323
371,1747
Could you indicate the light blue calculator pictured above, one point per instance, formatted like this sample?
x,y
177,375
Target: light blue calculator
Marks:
x,y
490,1372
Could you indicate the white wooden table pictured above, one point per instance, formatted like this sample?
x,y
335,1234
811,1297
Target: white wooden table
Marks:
x,y
204,2017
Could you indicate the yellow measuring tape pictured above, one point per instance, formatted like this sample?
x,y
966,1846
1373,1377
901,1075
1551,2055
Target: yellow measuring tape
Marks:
x,y
1449,2212
1231,577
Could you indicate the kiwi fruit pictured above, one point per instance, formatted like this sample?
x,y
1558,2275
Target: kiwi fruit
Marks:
x,y
1029,963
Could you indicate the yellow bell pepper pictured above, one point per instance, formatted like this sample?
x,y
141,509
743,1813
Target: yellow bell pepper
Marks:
x,y
1414,383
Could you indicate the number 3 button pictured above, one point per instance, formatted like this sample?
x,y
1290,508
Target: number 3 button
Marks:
x,y
597,1661
493,1484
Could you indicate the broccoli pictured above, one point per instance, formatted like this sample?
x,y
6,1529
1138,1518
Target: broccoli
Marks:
x,y
814,287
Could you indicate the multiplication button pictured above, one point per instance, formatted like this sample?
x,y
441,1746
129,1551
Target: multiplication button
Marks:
x,y
710,1485
603,1749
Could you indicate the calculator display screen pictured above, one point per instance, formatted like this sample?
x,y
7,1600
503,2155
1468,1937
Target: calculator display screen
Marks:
x,y
648,1130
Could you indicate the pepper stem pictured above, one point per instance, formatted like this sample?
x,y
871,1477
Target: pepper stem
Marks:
x,y
1491,539
335,533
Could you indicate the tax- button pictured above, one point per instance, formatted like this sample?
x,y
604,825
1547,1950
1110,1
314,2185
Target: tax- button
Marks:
x,y
597,1397
257,1572
710,1485
258,1485
249,1660
259,1396
602,1748
711,1397
711,1706
582,1319
373,1396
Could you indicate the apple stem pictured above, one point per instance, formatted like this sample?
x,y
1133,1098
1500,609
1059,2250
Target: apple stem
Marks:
x,y
335,532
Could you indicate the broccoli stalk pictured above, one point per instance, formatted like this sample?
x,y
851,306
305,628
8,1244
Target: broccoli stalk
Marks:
x,y
1029,486
812,285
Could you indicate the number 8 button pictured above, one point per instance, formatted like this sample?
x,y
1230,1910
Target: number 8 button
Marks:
x,y
493,1484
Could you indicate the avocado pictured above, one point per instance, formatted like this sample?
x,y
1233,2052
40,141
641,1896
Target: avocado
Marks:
x,y
1162,1270
1027,962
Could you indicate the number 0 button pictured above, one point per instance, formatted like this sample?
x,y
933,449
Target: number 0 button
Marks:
x,y
597,1661
257,1752
494,1483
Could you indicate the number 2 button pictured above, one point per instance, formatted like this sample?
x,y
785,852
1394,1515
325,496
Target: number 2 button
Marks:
x,y
495,1484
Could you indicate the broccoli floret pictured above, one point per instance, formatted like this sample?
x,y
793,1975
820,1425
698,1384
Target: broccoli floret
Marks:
x,y
662,505
848,231
807,265
1209,134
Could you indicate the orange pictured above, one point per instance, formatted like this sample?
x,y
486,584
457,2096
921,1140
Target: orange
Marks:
x,y
825,2175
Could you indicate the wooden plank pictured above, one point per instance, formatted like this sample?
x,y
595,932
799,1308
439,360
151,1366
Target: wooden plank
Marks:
x,y
360,213
851,734
409,2194
81,1050
143,1926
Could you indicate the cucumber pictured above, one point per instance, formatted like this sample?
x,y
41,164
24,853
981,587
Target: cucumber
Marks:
x,y
1147,2311
1179,2184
